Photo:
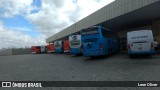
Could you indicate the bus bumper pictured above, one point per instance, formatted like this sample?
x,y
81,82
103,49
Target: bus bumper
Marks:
x,y
145,52
34,52
50,51
96,53
75,51
66,51
59,51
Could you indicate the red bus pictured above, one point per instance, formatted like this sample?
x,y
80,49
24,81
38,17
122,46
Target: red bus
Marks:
x,y
66,46
50,48
36,49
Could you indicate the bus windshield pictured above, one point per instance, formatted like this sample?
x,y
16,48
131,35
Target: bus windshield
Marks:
x,y
91,40
75,41
57,44
89,31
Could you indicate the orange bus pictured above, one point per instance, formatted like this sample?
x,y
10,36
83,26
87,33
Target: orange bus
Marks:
x,y
36,49
66,46
50,48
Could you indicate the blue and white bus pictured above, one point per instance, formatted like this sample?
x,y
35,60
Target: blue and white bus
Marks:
x,y
58,46
75,44
97,41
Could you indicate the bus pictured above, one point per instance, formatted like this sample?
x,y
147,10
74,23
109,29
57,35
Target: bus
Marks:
x,y
97,41
35,49
43,49
75,44
50,48
59,46
140,42
66,46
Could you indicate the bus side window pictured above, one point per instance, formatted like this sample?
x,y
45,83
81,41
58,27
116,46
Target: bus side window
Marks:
x,y
108,34
104,33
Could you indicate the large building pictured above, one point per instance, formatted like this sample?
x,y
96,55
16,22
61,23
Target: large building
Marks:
x,y
120,16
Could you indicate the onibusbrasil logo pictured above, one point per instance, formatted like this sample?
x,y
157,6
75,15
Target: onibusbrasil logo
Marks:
x,y
21,84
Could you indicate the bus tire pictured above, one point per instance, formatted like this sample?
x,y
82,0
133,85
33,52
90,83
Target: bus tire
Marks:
x,y
109,52
131,56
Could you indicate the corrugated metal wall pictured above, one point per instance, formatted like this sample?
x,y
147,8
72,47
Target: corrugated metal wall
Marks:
x,y
115,9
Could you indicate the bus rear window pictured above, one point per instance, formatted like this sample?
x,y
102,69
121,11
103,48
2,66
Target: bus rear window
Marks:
x,y
37,47
57,45
141,42
73,42
89,31
91,40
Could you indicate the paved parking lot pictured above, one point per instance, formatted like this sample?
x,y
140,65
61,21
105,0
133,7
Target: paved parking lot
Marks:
x,y
66,67
61,67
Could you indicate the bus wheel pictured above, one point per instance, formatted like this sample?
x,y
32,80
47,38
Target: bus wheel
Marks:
x,y
131,56
110,52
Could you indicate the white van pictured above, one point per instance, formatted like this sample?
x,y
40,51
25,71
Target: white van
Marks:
x,y
140,42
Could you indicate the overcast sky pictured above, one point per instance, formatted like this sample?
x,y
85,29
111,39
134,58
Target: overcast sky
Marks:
x,y
30,22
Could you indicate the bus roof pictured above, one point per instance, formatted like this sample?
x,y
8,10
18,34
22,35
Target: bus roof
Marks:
x,y
97,27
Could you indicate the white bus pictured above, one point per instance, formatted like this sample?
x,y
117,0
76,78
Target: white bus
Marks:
x,y
75,44
140,42
43,49
59,46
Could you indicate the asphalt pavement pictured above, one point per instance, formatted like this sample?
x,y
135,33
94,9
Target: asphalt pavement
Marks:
x,y
62,67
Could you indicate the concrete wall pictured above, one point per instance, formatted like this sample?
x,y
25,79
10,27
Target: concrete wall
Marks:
x,y
156,29
21,51
15,51
6,52
123,33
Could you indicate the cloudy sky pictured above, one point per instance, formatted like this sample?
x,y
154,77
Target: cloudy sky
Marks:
x,y
30,22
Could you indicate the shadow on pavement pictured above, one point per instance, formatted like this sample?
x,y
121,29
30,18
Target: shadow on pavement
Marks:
x,y
141,57
78,55
96,58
